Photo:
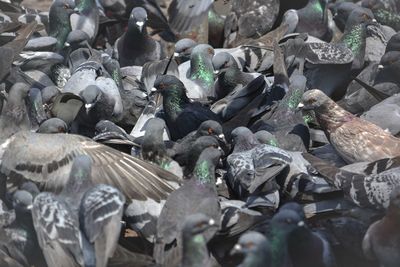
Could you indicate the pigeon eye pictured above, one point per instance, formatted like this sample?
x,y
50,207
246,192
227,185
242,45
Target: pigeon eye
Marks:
x,y
211,51
249,245
288,221
210,131
312,100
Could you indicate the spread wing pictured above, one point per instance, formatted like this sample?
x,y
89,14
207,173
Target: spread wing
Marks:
x,y
47,159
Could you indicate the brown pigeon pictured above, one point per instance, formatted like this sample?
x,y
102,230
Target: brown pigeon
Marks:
x,y
354,139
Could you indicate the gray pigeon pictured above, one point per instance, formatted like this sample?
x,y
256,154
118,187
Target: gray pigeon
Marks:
x,y
81,224
14,116
256,250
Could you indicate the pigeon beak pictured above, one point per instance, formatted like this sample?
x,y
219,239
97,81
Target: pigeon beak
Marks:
x,y
88,107
236,249
300,223
140,25
380,67
221,137
374,20
176,54
300,105
29,207
76,9
211,222
66,44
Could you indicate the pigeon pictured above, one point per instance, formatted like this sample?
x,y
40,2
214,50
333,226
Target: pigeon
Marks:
x,y
230,76
252,168
91,214
86,19
53,125
385,114
293,242
183,50
198,76
393,43
184,15
181,115
57,152
384,15
183,146
197,195
353,138
157,20
232,104
313,19
154,150
21,232
59,21
372,190
256,248
249,20
194,245
14,116
381,242
135,47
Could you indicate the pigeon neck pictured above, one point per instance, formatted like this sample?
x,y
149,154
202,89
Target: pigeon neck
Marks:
x,y
153,147
195,251
202,70
292,99
59,26
85,6
316,8
246,143
393,214
204,171
173,102
386,17
259,258
330,116
354,38
279,248
135,38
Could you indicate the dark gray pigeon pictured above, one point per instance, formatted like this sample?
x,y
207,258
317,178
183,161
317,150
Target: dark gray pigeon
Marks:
x,y
381,242
53,125
135,46
197,195
194,245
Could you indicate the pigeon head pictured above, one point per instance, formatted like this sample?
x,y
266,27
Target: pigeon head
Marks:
x,y
294,206
197,224
212,128
203,49
291,19
243,139
31,188
80,174
372,4
53,125
359,16
249,243
265,137
184,47
223,61
313,99
155,124
66,6
394,43
22,201
138,18
285,221
390,59
169,85
18,92
90,96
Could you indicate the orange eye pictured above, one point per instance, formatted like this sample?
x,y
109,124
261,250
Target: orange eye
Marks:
x,y
210,131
